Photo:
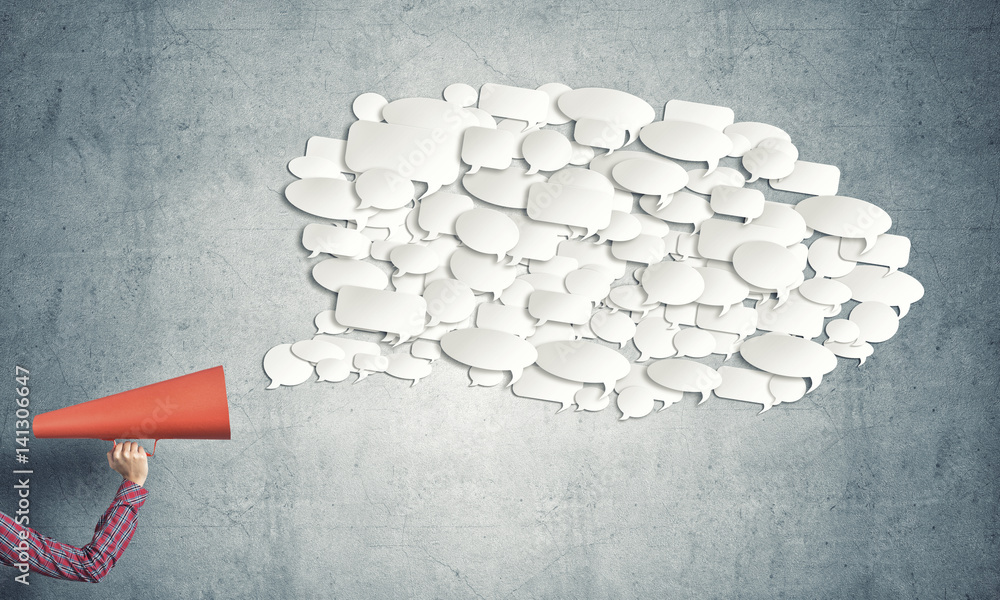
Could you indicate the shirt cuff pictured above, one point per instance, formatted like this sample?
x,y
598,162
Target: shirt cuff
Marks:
x,y
130,493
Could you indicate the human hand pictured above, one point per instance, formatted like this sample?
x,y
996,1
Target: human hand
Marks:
x,y
129,459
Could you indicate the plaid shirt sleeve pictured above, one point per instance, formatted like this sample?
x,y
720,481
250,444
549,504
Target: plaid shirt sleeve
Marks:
x,y
62,561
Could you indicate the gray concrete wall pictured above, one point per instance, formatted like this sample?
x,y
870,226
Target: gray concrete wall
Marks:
x,y
142,157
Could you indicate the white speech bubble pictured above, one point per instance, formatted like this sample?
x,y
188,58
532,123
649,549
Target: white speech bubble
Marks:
x,y
415,153
767,265
448,301
703,182
489,349
845,217
722,288
519,130
425,349
673,283
598,133
326,322
859,350
562,308
795,316
330,149
650,225
581,154
746,385
685,375
654,338
485,147
307,167
889,250
484,377
351,347
333,370
438,213
554,91
810,178
739,320
653,177
786,389
317,350
631,298
590,283
481,272
684,208
766,163
553,331
409,283
824,291
635,402
404,366
368,106
719,239
284,368
537,384
716,117
573,196
546,150
621,110
589,398
644,249
638,377
583,361
683,140
789,356
598,256
693,342
557,265
487,231
824,258
876,320
614,327
624,226
531,106
329,199
507,188
879,284
460,94
517,293
741,145
738,202
334,273
383,188
413,259
381,310
780,144
755,132
338,241
509,319
843,331
536,241
549,282
366,364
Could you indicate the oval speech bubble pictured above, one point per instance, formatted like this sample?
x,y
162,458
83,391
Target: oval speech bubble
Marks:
x,y
693,342
333,369
881,284
767,265
411,258
635,402
335,273
546,150
383,188
487,231
317,350
673,283
876,321
338,241
790,356
481,272
489,349
685,376
615,327
653,177
284,368
845,217
448,301
621,110
583,361
684,140
328,198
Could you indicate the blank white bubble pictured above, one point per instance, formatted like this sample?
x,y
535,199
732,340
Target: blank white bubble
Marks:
x,y
716,117
316,350
654,338
845,217
738,202
383,188
448,301
351,347
507,188
537,384
824,258
741,145
481,272
566,204
637,377
485,147
810,178
581,154
554,90
745,385
338,241
284,368
683,140
335,273
589,283
306,167
333,369
794,316
683,208
555,306
381,310
597,256
439,212
895,288
523,104
631,298
368,106
767,265
550,282
673,283
781,145
623,227
703,182
413,259
461,94
635,402
366,364
694,342
484,377
546,150
509,319
328,198
789,356
876,320
487,231
404,366
644,249
723,287
489,349
583,361
739,320
620,109
764,163
616,327
517,293
426,349
589,398
858,349
326,322
755,132
889,250
786,389
843,331
329,149
685,375
645,176
825,291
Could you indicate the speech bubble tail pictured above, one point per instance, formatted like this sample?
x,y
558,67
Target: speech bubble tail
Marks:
x,y
274,385
643,357
713,164
500,257
664,201
515,374
624,417
564,406
833,310
671,324
753,178
514,260
728,356
433,322
815,381
621,345
362,375
747,221
766,408
862,360
473,170
389,337
725,309
398,273
540,322
414,382
608,386
664,407
431,188
349,330
630,136
892,269
314,254
403,338
903,309
532,170
704,396
364,204
869,244
432,235
782,296
361,221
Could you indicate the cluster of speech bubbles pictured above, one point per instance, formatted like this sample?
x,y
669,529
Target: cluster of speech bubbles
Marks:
x,y
510,230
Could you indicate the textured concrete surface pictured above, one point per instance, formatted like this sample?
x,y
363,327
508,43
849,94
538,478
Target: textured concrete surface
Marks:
x,y
142,156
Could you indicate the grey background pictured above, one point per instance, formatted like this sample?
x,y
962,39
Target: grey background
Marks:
x,y
142,156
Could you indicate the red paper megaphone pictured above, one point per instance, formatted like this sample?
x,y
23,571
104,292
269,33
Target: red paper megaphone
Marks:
x,y
190,407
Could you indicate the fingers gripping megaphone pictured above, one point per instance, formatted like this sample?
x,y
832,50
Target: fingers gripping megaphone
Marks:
x,y
192,406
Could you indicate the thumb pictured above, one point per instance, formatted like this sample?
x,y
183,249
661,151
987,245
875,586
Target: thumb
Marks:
x,y
109,459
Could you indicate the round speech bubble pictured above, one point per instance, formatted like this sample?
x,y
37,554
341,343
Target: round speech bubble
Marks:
x,y
654,338
489,349
333,369
694,342
411,258
481,272
487,231
384,189
328,198
671,282
461,94
306,167
768,164
338,241
583,361
767,265
845,217
684,208
484,377
368,106
684,140
448,301
685,375
653,177
722,288
843,331
876,321
326,322
284,368
317,350
824,291
623,111
546,150
615,327
635,402
824,258
790,356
